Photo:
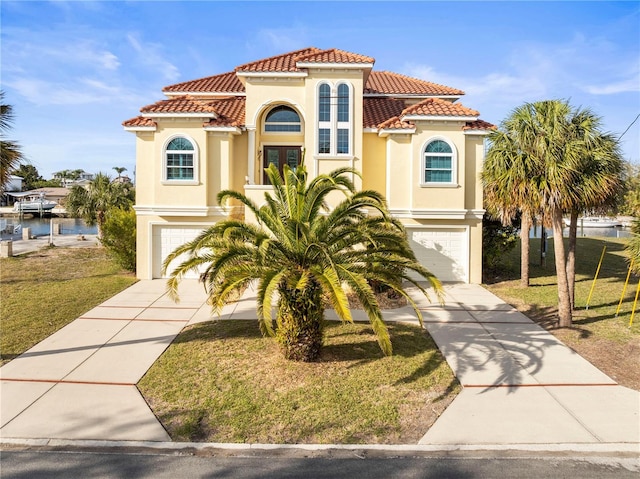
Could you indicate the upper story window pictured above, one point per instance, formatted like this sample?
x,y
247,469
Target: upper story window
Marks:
x,y
439,162
335,128
282,119
180,158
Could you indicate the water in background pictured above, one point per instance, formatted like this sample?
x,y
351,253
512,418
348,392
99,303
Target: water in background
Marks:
x,y
42,227
617,232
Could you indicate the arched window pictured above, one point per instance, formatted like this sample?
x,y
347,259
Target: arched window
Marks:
x,y
439,165
180,160
282,118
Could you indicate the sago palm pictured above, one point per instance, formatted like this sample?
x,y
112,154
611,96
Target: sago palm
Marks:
x,y
300,251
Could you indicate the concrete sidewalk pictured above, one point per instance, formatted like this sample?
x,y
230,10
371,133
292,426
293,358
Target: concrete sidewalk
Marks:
x,y
520,385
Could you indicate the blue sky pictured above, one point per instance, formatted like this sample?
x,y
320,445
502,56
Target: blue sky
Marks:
x,y
73,71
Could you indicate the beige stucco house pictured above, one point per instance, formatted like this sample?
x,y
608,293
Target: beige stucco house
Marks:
x,y
410,139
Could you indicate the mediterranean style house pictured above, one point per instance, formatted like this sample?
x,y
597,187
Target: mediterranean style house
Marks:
x,y
409,138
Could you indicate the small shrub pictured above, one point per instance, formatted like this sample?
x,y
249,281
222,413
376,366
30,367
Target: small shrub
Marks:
x,y
119,236
497,240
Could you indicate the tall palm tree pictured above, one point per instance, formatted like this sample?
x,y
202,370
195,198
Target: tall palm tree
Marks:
x,y
300,251
552,159
600,181
559,155
10,154
92,203
508,177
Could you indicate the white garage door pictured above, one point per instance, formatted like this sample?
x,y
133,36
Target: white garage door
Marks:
x,y
443,251
165,240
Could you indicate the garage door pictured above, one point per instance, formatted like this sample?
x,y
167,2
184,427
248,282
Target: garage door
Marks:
x,y
165,240
443,251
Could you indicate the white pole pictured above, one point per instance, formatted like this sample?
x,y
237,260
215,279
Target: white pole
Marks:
x,y
51,232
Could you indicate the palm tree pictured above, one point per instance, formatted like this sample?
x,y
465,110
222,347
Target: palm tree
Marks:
x,y
551,159
10,154
600,180
92,203
508,173
119,170
301,251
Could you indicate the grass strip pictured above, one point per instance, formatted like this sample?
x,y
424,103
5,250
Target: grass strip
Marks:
x,y
43,291
221,381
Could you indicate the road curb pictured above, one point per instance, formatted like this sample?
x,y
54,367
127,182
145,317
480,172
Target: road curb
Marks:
x,y
604,448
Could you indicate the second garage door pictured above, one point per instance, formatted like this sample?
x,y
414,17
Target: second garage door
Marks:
x,y
443,251
165,240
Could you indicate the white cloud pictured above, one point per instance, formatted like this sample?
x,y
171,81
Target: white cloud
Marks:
x,y
81,92
624,86
279,40
502,87
149,55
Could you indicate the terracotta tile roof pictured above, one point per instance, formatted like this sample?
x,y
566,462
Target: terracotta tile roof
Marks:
x,y
378,110
389,83
438,107
479,125
223,83
280,63
230,112
139,121
334,56
182,104
396,123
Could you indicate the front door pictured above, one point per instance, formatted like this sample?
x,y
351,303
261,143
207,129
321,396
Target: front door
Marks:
x,y
280,156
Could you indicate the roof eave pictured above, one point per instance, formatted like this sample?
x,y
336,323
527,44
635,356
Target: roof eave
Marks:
x,y
411,96
354,66
439,118
477,132
384,132
252,74
234,130
204,93
179,115
140,128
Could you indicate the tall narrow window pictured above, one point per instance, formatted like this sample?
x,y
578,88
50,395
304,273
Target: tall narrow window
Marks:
x,y
324,119
324,101
334,119
343,103
439,162
180,160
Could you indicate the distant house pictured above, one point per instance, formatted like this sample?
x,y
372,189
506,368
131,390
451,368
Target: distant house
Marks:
x,y
410,138
70,178
13,184
122,179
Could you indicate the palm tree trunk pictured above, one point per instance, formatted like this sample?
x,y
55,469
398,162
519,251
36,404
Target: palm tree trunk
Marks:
x,y
525,227
564,303
300,322
571,258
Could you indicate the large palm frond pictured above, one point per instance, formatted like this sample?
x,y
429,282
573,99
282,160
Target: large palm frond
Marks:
x,y
299,243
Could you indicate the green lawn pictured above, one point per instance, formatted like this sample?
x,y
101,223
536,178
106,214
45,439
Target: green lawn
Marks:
x,y
598,334
223,382
43,291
